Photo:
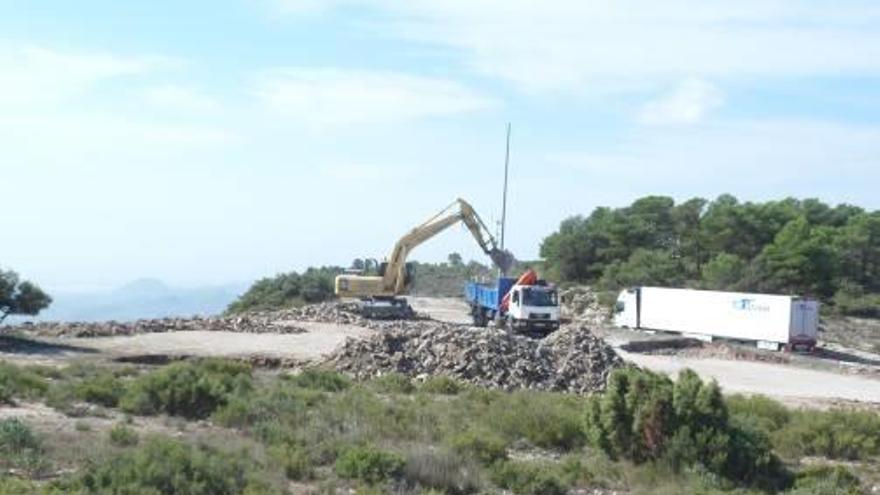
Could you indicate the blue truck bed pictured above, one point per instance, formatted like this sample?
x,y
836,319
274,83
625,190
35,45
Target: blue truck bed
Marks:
x,y
488,296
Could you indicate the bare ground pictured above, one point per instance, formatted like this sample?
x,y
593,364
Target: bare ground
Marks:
x,y
839,374
318,340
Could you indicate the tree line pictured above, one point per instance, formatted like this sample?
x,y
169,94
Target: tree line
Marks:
x,y
287,290
794,246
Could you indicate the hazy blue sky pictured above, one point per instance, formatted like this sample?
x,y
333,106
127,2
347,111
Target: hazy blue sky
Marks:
x,y
203,142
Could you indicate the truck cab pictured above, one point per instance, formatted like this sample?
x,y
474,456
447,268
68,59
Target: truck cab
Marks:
x,y
533,307
520,304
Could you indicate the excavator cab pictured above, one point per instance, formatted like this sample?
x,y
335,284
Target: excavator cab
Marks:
x,y
409,272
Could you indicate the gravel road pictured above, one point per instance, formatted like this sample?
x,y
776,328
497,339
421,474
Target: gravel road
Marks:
x,y
776,380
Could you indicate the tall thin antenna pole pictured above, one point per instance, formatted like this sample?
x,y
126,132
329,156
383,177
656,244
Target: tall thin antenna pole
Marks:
x,y
504,200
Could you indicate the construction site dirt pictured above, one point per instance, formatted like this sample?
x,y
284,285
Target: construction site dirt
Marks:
x,y
442,342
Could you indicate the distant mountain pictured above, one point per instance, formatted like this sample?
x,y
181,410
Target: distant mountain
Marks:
x,y
142,298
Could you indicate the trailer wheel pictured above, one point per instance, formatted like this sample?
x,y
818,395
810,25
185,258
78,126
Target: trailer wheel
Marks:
x,y
480,319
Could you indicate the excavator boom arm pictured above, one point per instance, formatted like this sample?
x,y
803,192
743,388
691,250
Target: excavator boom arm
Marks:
x,y
458,211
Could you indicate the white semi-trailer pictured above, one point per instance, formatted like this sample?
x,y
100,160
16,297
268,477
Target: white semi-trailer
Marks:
x,y
771,321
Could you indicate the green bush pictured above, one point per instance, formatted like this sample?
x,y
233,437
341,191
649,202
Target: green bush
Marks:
x,y
21,382
826,480
525,478
104,389
368,464
193,390
836,434
484,446
442,385
10,485
19,447
393,383
440,470
548,420
294,460
759,411
169,467
123,436
317,379
643,416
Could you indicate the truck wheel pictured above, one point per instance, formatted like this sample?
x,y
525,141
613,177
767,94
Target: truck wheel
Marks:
x,y
510,324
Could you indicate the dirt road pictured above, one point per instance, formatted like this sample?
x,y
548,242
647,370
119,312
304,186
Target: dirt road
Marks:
x,y
781,381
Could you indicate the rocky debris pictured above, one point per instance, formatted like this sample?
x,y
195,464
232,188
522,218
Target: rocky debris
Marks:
x,y
572,359
581,303
249,323
284,321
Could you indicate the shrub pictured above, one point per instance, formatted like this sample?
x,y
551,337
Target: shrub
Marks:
x,y
440,470
552,421
826,480
169,467
19,446
484,446
123,436
103,389
16,437
20,382
294,460
442,384
836,434
317,379
758,410
527,478
14,486
643,416
368,464
393,383
193,390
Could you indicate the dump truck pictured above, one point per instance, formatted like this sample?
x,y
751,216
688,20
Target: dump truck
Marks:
x,y
771,321
526,304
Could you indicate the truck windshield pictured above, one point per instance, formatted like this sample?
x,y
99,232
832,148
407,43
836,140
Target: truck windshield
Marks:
x,y
539,297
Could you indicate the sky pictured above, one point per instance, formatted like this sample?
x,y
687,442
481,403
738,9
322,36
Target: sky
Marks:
x,y
203,143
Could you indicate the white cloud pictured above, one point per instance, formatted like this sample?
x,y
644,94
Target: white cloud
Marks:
x,y
337,96
181,98
577,45
32,75
688,103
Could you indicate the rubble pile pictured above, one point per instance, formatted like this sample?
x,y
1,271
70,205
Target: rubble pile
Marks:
x,y
338,312
571,360
278,321
581,303
249,323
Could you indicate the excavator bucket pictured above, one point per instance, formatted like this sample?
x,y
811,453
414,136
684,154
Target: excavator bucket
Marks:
x,y
502,258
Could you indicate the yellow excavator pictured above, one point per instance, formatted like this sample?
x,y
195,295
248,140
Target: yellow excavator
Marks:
x,y
380,293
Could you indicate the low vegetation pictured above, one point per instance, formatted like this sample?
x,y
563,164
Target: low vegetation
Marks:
x,y
645,434
192,390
